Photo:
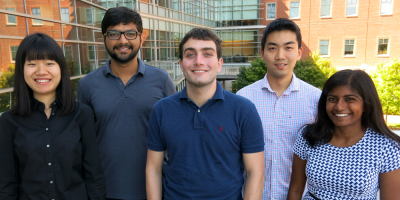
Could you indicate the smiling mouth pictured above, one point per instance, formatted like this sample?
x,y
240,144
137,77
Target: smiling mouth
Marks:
x,y
342,115
42,81
199,71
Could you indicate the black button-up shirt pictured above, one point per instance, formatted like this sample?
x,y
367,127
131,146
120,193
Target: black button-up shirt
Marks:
x,y
55,158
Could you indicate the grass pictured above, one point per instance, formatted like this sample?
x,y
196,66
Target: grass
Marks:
x,y
394,126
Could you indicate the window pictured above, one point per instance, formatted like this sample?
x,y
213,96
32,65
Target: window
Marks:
x,y
271,11
349,47
294,9
351,8
65,14
92,55
13,50
386,7
68,52
11,19
383,46
326,8
324,47
89,16
36,12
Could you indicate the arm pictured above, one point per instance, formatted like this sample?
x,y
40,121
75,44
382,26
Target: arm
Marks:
x,y
9,175
254,164
92,168
298,179
153,174
389,185
169,87
82,91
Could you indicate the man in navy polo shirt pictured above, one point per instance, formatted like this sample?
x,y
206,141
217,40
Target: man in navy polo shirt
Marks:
x,y
209,133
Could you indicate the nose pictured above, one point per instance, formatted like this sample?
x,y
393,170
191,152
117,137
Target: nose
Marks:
x,y
123,39
280,54
41,69
340,105
199,59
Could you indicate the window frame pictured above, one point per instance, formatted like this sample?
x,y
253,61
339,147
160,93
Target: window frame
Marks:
x,y
387,50
290,9
352,15
36,23
11,52
266,11
94,52
330,10
8,15
62,18
91,15
329,47
391,11
354,48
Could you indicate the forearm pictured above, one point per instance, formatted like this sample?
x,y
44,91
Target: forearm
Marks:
x,y
254,186
294,195
153,184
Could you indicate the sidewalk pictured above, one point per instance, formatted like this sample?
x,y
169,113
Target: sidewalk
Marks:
x,y
393,118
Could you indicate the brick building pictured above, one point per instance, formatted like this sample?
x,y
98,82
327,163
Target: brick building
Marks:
x,y
351,33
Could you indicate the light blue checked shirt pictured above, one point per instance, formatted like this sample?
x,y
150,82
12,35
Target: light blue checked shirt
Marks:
x,y
281,118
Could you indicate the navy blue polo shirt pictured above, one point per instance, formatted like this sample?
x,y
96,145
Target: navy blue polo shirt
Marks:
x,y
122,114
205,144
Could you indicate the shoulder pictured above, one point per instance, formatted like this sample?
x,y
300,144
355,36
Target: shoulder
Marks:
x,y
93,75
252,88
155,71
237,99
168,102
6,116
83,111
308,88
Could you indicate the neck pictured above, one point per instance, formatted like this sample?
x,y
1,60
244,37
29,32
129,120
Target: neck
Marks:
x,y
46,99
347,136
279,85
124,70
200,95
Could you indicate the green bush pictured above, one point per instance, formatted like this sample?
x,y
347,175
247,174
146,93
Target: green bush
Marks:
x,y
7,78
314,70
387,82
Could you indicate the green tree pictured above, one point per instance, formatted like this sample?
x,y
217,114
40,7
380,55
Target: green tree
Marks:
x,y
314,70
7,78
387,82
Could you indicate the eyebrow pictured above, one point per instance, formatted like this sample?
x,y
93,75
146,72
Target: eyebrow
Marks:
x,y
203,49
287,43
349,95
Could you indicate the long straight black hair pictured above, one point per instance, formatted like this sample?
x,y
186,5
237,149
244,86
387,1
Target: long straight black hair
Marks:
x,y
40,46
321,131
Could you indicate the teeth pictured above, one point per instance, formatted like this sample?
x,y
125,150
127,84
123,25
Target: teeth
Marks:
x,y
199,71
42,81
342,115
281,65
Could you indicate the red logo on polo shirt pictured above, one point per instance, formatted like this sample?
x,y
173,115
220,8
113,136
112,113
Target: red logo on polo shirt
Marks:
x,y
220,128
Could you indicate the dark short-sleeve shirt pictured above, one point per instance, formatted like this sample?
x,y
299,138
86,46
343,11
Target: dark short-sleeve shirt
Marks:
x,y
55,158
122,114
205,144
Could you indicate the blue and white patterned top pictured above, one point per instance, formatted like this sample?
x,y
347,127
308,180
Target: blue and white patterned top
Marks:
x,y
349,172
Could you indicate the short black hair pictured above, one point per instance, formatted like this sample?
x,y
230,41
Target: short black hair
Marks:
x,y
201,34
40,46
360,82
124,15
281,24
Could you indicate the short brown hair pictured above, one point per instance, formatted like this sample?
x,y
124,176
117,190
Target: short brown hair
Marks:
x,y
201,34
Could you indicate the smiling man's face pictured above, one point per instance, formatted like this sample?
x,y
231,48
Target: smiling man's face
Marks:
x,y
200,63
281,52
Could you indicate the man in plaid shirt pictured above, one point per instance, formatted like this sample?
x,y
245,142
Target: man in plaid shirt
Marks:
x,y
284,103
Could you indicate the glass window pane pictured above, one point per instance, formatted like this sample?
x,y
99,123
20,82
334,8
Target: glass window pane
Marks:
x,y
65,14
386,7
11,19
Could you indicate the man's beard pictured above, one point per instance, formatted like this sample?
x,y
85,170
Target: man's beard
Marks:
x,y
119,59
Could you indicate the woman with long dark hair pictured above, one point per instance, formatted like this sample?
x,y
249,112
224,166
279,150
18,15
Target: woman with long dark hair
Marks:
x,y
48,146
349,152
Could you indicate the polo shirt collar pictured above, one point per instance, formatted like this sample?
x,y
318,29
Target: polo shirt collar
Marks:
x,y
37,105
219,93
294,85
141,68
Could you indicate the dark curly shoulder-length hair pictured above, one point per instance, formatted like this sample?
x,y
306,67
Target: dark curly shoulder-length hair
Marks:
x,y
40,46
321,131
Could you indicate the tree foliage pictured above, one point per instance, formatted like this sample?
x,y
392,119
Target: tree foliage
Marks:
x,y
387,82
314,70
7,78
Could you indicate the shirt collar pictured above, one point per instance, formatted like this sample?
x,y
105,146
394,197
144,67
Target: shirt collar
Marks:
x,y
37,105
219,93
294,85
141,68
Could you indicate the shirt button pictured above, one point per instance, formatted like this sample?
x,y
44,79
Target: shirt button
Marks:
x,y
51,182
52,113
198,110
47,129
49,164
48,146
274,179
188,100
